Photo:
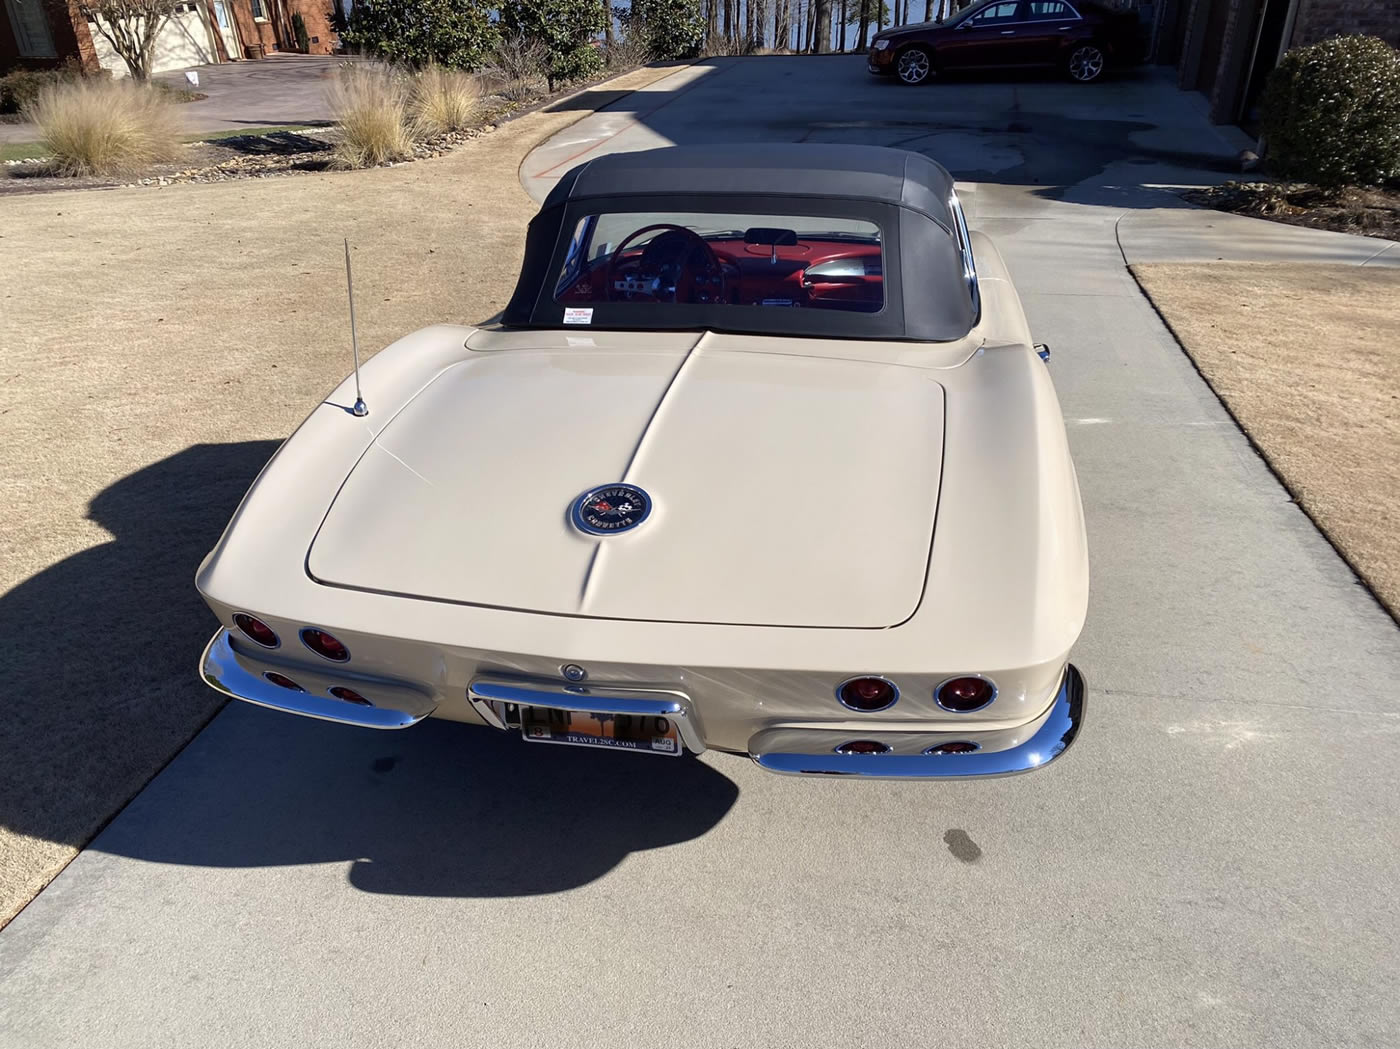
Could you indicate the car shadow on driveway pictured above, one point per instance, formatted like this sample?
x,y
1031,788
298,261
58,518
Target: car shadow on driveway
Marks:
x,y
98,651
99,685
441,809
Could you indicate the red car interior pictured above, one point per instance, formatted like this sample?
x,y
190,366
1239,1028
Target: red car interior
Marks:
x,y
759,268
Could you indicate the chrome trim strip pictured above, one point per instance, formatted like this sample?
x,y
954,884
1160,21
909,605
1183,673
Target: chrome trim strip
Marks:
x,y
1060,729
227,670
969,264
639,703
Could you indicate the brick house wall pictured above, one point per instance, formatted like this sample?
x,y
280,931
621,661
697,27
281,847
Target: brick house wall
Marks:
x,y
274,31
1218,53
71,40
317,16
1319,19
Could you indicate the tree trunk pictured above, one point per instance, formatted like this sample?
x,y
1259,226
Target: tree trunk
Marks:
x,y
760,15
879,15
864,39
823,42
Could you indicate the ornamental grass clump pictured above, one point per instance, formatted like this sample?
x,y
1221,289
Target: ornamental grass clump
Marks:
x,y
101,127
370,103
442,101
1331,113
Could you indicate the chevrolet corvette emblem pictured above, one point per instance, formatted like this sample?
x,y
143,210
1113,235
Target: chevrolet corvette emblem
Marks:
x,y
611,509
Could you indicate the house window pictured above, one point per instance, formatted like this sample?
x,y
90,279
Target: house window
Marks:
x,y
259,11
31,28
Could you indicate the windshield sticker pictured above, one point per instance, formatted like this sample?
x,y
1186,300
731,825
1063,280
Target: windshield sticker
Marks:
x,y
578,315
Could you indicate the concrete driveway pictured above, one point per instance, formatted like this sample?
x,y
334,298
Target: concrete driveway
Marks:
x,y
1211,865
277,90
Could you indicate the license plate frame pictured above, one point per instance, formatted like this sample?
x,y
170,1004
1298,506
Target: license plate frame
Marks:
x,y
602,730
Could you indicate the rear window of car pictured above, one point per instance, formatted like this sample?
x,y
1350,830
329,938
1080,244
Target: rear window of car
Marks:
x,y
1045,10
713,259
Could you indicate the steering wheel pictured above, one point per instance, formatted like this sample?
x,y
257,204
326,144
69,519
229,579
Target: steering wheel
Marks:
x,y
666,270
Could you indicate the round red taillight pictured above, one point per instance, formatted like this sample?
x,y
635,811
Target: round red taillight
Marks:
x,y
867,694
283,681
961,746
255,630
350,696
964,694
863,746
324,645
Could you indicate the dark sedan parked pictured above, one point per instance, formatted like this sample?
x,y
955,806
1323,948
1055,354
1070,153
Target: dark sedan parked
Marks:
x,y
1078,36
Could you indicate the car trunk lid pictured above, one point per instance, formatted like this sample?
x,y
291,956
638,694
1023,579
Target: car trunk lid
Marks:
x,y
787,490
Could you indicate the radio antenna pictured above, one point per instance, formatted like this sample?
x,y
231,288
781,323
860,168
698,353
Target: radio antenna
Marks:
x,y
361,409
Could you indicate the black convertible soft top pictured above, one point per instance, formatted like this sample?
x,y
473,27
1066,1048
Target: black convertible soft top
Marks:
x,y
909,196
873,173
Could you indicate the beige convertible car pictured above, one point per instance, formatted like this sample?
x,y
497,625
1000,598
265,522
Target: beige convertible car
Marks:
x,y
760,458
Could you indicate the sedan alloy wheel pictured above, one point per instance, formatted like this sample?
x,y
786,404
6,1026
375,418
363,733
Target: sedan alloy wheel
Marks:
x,y
1086,63
914,66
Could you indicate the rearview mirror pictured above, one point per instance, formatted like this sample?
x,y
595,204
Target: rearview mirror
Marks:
x,y
770,235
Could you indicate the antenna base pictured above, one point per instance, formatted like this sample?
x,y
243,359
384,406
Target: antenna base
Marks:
x,y
360,410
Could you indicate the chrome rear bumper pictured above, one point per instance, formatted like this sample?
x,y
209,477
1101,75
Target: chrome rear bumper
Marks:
x,y
1057,728
235,674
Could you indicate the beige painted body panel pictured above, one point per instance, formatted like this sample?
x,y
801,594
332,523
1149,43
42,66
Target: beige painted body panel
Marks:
x,y
786,491
1002,591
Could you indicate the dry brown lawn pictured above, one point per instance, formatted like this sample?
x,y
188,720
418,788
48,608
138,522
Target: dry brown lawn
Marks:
x,y
1307,357
155,346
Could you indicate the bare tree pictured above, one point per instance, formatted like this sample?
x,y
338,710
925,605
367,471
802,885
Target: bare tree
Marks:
x,y
760,31
782,24
822,16
131,27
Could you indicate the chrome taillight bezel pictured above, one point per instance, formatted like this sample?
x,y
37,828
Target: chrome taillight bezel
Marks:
x,y
866,677
938,693
324,633
243,632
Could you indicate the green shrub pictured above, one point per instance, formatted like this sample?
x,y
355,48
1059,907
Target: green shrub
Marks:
x,y
455,33
666,29
98,127
1331,113
22,87
566,28
299,31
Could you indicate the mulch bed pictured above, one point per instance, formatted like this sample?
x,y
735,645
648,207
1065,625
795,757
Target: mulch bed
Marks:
x,y
271,155
1368,212
247,156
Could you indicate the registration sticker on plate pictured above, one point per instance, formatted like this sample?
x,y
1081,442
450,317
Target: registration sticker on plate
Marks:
x,y
650,735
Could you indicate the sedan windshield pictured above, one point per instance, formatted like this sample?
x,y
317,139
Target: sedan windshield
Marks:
x,y
706,258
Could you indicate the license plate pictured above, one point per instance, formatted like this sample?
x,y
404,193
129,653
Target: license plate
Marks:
x,y
650,735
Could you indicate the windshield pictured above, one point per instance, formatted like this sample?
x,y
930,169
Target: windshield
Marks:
x,y
709,258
